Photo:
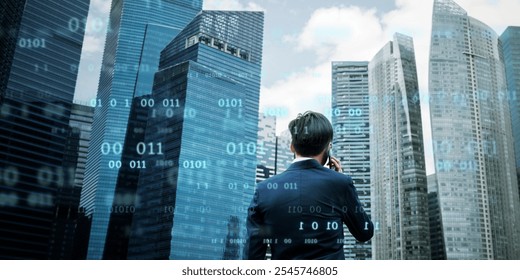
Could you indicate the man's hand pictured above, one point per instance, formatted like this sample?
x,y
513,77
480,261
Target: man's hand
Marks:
x,y
335,164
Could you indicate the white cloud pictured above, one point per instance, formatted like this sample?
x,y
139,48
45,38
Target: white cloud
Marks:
x,y
231,5
496,13
92,44
101,5
338,32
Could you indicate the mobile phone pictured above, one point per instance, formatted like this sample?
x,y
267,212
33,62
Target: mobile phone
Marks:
x,y
330,164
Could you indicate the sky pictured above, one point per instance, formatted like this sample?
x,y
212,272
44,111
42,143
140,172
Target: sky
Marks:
x,y
303,37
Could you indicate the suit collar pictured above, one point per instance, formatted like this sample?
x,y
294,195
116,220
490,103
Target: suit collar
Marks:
x,y
305,164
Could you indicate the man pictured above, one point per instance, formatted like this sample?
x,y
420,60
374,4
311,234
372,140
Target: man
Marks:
x,y
300,212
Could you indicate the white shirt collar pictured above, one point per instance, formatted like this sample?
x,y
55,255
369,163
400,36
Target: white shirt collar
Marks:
x,y
300,159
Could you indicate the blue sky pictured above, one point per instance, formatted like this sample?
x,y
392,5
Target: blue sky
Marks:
x,y
302,37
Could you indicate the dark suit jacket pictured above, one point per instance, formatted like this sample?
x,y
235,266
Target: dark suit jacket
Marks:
x,y
301,212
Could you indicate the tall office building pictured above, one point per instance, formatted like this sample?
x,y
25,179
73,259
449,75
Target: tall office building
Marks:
x,y
284,156
138,31
10,19
125,198
199,179
398,177
267,144
351,144
273,151
511,49
38,47
472,138
63,243
434,212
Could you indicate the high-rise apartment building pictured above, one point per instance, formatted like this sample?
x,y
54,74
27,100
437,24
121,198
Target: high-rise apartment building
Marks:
x,y
397,171
38,47
351,144
200,175
472,138
138,31
510,40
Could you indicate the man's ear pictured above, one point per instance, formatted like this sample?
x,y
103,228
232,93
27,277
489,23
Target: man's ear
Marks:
x,y
292,149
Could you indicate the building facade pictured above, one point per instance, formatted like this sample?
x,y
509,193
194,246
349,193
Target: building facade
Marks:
x,y
64,242
137,33
36,93
267,143
510,40
397,171
438,251
351,144
200,176
472,138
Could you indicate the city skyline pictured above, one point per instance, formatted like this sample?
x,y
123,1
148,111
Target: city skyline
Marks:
x,y
161,163
318,32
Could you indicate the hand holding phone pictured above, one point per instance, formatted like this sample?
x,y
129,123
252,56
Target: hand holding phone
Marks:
x,y
334,164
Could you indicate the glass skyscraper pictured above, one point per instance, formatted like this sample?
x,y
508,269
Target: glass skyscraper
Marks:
x,y
397,171
138,31
472,138
511,48
200,143
351,144
434,213
63,243
38,48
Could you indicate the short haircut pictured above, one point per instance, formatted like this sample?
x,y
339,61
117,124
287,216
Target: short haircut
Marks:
x,y
311,133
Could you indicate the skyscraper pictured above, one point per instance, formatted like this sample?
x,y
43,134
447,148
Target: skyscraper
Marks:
x,y
63,243
284,156
199,177
267,140
351,144
434,212
138,31
38,47
472,138
398,176
511,48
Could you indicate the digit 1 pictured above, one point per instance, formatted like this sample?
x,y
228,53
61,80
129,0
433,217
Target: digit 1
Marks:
x,y
301,225
366,225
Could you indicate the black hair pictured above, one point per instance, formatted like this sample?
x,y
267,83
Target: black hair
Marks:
x,y
311,133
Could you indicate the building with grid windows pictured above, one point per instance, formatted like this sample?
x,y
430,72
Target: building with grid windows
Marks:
x,y
510,40
199,178
397,172
472,138
37,49
351,144
138,31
